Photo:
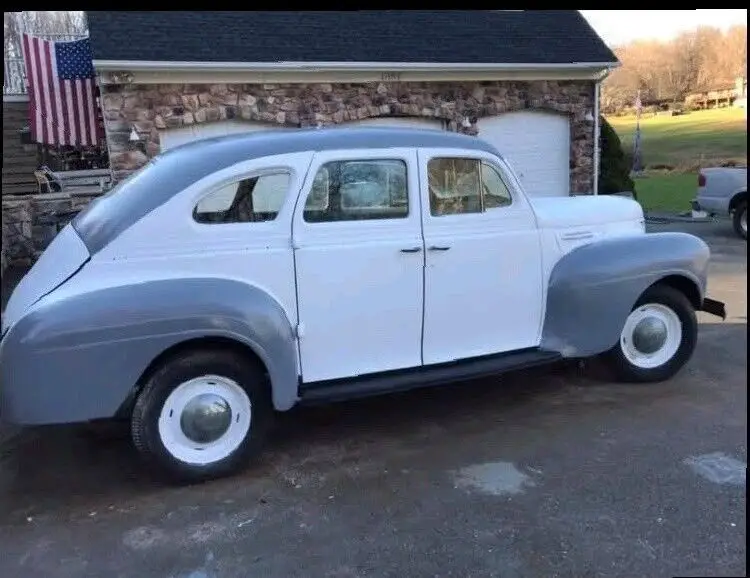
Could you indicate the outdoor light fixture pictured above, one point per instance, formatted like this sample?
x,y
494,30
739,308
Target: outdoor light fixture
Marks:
x,y
134,135
466,123
589,117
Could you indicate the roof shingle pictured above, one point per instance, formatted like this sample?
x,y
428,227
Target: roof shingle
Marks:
x,y
416,36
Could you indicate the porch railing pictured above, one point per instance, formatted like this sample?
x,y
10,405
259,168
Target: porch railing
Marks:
x,y
14,74
14,77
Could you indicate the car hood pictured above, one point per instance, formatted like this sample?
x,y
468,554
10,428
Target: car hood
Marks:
x,y
585,211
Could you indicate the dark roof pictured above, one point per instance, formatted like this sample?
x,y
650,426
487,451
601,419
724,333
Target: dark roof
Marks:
x,y
171,172
447,36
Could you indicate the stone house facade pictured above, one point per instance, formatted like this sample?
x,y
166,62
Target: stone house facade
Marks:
x,y
151,108
527,81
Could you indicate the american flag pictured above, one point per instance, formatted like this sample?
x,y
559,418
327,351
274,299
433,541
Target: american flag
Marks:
x,y
62,92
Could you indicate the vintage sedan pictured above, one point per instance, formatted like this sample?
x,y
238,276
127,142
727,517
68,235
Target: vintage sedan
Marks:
x,y
236,277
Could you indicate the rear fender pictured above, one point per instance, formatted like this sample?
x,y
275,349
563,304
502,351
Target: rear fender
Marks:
x,y
78,357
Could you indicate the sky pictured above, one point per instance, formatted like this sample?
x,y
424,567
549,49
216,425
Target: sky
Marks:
x,y
621,26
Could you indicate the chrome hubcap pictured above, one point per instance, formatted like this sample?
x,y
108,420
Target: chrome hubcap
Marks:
x,y
206,418
650,335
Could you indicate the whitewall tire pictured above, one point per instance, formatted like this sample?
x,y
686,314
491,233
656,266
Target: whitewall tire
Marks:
x,y
658,336
202,414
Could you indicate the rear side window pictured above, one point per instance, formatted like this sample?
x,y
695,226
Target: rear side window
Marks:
x,y
251,200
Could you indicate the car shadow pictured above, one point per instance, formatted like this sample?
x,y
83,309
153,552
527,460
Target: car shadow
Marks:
x,y
51,469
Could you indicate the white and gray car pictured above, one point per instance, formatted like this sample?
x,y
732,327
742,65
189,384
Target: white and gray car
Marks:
x,y
236,277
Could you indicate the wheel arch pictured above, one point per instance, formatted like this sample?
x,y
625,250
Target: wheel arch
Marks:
x,y
684,285
208,342
737,198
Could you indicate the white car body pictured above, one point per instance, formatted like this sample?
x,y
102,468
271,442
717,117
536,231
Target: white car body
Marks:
x,y
373,260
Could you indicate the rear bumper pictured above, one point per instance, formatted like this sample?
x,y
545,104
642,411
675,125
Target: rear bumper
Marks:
x,y
713,205
714,307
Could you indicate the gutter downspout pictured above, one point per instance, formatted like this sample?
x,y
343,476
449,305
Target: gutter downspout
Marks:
x,y
597,129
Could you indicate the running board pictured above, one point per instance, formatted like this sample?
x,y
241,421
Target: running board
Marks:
x,y
403,380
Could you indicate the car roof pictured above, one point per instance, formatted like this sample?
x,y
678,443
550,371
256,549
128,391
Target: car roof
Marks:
x,y
171,172
274,142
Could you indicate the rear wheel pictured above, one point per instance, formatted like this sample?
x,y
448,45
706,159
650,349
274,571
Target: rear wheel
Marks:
x,y
203,414
658,337
739,219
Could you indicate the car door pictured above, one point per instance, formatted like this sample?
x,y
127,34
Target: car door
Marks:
x,y
483,272
359,257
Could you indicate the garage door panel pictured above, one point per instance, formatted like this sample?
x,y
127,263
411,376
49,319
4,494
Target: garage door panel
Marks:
x,y
398,121
537,144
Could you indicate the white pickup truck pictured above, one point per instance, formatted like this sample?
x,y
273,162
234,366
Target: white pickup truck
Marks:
x,y
236,277
723,191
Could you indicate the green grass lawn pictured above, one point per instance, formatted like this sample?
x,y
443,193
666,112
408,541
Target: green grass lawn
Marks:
x,y
666,192
688,141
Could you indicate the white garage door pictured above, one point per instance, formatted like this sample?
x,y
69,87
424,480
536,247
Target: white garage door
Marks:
x,y
400,121
537,145
173,137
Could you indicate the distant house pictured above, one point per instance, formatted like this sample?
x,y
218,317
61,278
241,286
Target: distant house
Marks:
x,y
526,81
726,95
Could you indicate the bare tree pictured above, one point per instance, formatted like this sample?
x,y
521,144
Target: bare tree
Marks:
x,y
57,24
702,59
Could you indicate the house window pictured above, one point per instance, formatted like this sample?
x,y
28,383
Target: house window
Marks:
x,y
251,200
459,185
358,190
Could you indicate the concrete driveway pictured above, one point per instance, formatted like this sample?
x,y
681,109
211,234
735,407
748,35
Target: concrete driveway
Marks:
x,y
547,473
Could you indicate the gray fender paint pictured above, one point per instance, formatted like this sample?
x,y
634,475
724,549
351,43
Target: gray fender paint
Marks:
x,y
78,358
593,288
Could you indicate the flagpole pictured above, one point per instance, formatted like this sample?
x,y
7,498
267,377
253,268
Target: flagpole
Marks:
x,y
637,167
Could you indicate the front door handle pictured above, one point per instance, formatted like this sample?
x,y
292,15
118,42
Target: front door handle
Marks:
x,y
412,250
437,248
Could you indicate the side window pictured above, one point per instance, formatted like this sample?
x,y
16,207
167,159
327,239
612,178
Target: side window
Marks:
x,y
454,186
358,189
494,190
458,186
251,200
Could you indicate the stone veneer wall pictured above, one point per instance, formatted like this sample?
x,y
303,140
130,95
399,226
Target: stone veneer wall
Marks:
x,y
30,222
150,108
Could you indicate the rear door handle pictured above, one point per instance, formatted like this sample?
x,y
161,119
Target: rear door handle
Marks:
x,y
412,250
437,248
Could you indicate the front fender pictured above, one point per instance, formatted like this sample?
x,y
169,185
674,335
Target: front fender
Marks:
x,y
77,357
593,288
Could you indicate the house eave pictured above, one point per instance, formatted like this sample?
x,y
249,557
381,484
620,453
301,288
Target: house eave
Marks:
x,y
157,72
110,65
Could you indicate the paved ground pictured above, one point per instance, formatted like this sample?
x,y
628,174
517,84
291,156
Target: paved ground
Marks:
x,y
545,473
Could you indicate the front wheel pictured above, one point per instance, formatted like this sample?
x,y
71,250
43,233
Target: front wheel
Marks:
x,y
658,338
739,220
202,415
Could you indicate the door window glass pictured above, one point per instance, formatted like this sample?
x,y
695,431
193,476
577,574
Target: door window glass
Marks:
x,y
357,190
461,185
